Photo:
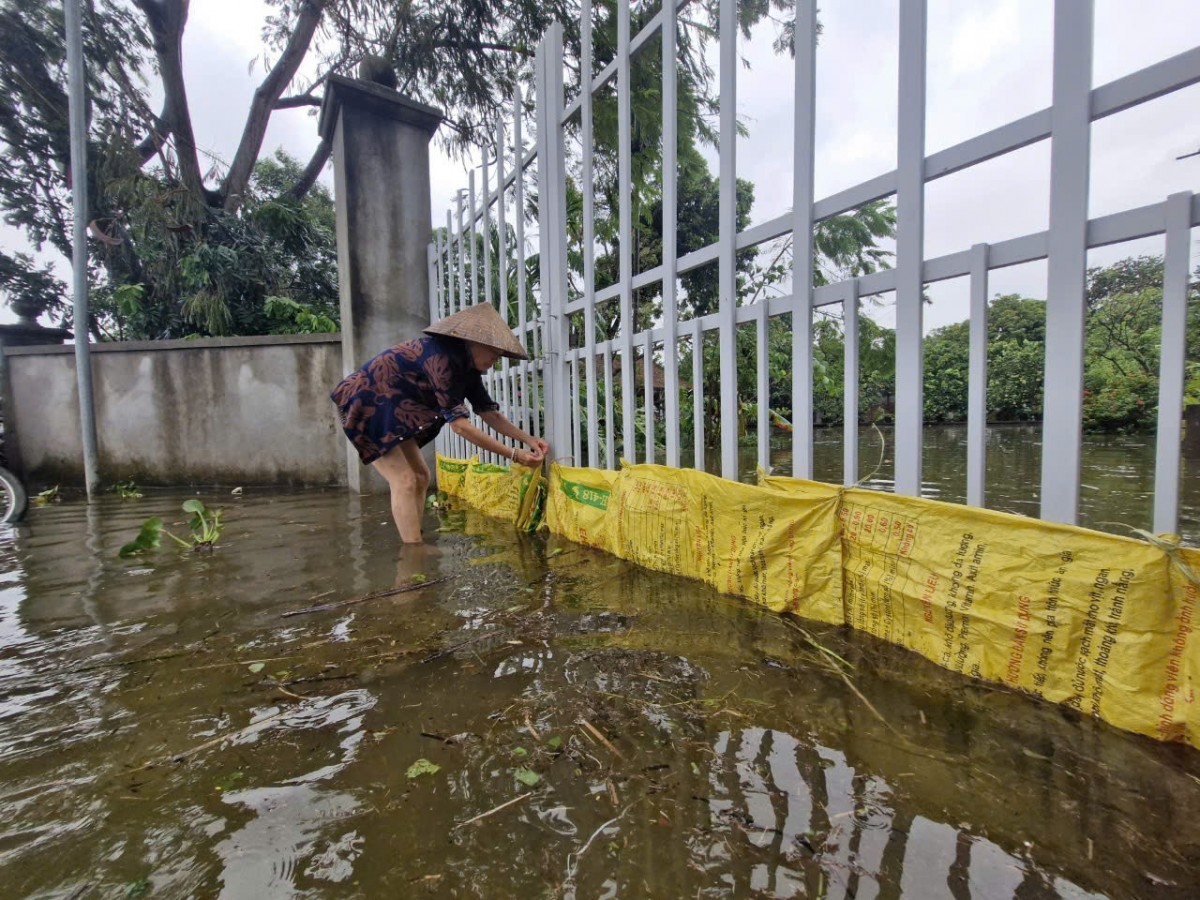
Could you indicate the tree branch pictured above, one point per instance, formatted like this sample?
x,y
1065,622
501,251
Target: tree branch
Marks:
x,y
311,171
160,131
167,19
265,96
296,101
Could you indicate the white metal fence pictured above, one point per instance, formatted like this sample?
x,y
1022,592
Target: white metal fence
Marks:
x,y
580,390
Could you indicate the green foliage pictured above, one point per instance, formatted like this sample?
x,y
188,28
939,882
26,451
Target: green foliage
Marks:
x,y
206,529
270,267
1124,403
422,767
297,318
126,490
148,538
46,497
24,284
205,526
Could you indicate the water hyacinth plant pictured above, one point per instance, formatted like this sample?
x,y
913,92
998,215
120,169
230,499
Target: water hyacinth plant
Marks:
x,y
205,526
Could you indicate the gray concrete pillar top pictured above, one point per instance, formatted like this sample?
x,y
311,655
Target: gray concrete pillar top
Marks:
x,y
375,99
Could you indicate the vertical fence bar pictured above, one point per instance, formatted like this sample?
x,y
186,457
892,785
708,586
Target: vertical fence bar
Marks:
x,y
727,251
463,301
610,449
910,224
470,229
1066,281
552,227
670,187
802,226
698,394
1172,361
487,233
589,240
436,297
576,414
529,409
450,294
977,381
648,392
764,388
850,380
625,226
502,272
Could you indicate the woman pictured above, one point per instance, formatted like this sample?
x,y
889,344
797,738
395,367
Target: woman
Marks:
x,y
399,401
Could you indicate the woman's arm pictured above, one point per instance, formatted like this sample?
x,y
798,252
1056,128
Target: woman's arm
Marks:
x,y
464,429
497,422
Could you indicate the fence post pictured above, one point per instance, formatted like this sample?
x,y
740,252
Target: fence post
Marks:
x,y
552,228
1066,275
910,248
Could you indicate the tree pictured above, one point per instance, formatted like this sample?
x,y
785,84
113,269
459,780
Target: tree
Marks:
x,y
146,175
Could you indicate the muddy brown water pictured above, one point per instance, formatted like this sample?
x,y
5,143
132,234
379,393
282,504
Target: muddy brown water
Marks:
x,y
165,731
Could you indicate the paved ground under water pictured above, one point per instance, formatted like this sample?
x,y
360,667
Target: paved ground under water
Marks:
x,y
548,721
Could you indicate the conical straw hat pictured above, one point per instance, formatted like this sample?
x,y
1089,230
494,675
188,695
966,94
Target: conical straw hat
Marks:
x,y
483,325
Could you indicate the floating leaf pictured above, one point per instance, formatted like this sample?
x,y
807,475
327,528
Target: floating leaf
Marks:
x,y
554,743
520,751
557,551
256,667
419,579
527,777
423,767
147,539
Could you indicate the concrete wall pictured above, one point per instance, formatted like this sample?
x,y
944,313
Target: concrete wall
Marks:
x,y
250,410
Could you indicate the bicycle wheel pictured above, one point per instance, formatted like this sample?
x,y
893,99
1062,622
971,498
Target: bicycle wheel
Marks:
x,y
15,499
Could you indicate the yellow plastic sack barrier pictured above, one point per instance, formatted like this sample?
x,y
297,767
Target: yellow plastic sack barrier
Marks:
x,y
577,504
513,493
452,474
1101,623
778,550
1098,622
531,502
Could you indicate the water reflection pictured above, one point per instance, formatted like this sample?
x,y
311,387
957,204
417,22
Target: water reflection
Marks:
x,y
822,828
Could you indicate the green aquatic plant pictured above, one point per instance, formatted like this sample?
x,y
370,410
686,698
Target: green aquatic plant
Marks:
x,y
46,497
127,490
422,767
205,526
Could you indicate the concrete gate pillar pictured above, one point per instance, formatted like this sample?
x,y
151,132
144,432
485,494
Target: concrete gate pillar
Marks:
x,y
380,143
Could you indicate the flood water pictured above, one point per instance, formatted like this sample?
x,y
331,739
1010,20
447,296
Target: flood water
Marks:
x,y
598,731
1116,487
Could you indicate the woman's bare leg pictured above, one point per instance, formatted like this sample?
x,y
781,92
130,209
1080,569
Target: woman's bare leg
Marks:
x,y
408,478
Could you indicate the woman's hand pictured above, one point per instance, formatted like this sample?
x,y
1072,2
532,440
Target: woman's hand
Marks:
x,y
533,457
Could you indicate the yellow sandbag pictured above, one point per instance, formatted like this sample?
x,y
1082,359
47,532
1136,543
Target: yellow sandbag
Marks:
x,y
496,490
777,550
531,502
577,502
452,474
1094,621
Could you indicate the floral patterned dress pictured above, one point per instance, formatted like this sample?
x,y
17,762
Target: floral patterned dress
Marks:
x,y
408,391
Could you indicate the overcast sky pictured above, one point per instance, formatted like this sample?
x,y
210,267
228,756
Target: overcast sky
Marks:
x,y
989,63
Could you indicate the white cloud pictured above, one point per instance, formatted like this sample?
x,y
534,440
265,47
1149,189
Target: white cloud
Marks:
x,y
981,37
